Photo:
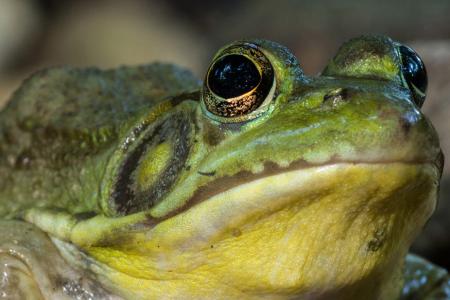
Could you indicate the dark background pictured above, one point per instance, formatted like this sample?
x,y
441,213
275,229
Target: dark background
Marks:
x,y
41,33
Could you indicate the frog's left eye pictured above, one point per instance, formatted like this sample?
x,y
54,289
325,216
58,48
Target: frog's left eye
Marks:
x,y
238,83
414,73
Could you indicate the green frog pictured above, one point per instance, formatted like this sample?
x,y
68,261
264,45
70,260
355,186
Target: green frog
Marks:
x,y
259,183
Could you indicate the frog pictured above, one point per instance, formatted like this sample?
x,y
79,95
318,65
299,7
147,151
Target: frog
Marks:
x,y
259,182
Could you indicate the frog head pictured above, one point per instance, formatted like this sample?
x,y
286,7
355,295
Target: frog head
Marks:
x,y
266,181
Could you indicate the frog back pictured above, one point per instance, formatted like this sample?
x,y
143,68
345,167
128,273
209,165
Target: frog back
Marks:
x,y
60,126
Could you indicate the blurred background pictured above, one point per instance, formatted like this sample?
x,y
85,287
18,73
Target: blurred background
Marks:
x,y
35,34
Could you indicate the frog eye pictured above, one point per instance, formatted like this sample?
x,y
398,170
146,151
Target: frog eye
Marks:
x,y
414,73
237,83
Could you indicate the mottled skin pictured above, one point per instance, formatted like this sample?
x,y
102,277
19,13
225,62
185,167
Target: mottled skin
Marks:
x,y
57,152
145,193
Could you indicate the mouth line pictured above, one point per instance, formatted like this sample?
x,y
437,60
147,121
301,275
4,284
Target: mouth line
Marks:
x,y
224,184
356,184
277,188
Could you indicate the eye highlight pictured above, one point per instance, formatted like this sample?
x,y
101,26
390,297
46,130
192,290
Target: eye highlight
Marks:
x,y
414,73
237,83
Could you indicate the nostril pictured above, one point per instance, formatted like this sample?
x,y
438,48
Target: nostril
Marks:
x,y
336,96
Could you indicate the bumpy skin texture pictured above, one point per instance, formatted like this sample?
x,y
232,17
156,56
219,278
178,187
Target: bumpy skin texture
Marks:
x,y
57,132
316,194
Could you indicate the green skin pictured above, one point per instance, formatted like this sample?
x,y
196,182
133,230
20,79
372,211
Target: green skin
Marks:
x,y
67,135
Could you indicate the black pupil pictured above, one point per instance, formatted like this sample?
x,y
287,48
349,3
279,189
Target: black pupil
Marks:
x,y
233,75
413,69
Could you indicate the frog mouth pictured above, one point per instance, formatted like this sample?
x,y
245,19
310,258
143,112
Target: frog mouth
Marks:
x,y
375,189
270,171
209,215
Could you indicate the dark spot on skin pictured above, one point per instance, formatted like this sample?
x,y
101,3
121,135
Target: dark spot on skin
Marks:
x,y
116,237
374,245
187,168
212,173
84,215
212,135
212,246
9,137
377,241
236,232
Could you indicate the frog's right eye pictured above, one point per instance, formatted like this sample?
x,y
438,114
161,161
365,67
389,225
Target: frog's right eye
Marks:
x,y
414,73
238,83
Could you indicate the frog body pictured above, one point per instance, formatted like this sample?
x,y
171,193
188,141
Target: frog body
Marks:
x,y
262,183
